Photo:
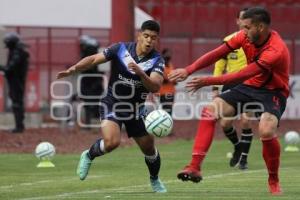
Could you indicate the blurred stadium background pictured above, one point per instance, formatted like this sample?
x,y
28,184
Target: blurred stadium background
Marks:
x,y
188,27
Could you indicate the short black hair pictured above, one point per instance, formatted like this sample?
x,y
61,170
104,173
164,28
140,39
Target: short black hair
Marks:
x,y
150,25
257,15
241,10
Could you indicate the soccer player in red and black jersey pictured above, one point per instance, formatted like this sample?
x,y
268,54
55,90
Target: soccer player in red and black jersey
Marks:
x,y
264,86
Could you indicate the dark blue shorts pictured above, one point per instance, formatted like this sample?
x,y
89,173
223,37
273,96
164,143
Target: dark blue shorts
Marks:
x,y
133,119
245,98
228,87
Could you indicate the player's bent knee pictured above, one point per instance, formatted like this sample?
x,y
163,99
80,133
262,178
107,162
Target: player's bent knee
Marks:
x,y
222,109
266,132
225,124
245,124
246,121
210,108
267,125
111,145
209,112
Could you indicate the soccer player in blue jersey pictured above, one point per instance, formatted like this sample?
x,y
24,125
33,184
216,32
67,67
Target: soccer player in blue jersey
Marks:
x,y
137,69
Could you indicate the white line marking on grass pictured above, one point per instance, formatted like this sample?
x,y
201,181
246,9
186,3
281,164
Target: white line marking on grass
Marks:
x,y
61,179
70,194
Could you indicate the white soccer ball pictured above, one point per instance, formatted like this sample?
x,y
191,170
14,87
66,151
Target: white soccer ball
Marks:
x,y
292,138
159,123
44,150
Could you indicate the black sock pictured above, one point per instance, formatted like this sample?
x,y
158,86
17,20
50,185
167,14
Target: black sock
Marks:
x,y
231,134
95,150
153,166
246,139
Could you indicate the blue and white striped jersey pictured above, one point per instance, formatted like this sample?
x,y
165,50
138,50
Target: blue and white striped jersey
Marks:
x,y
124,85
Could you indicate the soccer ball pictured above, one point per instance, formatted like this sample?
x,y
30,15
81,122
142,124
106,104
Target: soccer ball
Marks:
x,y
159,123
292,138
44,150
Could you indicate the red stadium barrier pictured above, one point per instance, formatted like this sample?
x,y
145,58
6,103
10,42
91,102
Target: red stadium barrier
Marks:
x,y
215,18
189,27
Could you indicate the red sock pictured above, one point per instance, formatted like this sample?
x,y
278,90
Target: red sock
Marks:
x,y
204,137
271,155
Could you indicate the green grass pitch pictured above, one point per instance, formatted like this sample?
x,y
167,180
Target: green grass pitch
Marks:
x,y
123,175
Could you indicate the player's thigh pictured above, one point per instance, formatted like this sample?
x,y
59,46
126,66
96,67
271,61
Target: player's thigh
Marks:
x,y
222,109
111,133
235,99
225,111
135,127
225,123
267,125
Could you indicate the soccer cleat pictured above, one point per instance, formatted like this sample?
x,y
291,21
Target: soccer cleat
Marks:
x,y
235,156
190,173
157,186
243,164
274,188
84,165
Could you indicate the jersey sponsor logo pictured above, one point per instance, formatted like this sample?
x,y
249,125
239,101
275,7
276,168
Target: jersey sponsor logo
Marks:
x,y
130,81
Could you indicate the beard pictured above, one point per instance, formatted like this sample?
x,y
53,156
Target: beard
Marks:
x,y
255,38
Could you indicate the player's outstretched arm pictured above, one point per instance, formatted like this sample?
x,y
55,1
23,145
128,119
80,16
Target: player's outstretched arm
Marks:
x,y
202,62
232,78
82,65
